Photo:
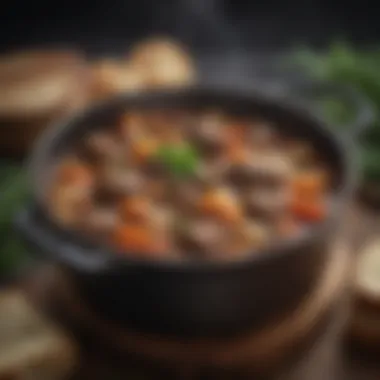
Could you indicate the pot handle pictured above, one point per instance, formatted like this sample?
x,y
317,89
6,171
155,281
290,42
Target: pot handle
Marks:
x,y
45,241
364,111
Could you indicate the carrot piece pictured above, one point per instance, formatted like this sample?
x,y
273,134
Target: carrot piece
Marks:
x,y
75,173
235,143
222,205
310,184
144,148
236,153
309,210
135,208
140,239
70,203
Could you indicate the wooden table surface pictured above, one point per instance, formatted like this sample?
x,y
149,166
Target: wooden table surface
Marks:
x,y
356,363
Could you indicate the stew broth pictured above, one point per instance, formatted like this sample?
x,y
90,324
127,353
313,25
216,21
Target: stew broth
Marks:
x,y
190,185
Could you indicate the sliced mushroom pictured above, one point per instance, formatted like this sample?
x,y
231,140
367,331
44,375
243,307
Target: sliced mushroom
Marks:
x,y
162,219
262,135
300,152
201,236
267,169
253,234
208,134
100,222
267,203
103,146
118,181
185,196
212,172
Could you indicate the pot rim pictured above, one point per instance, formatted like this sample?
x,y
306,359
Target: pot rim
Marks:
x,y
112,260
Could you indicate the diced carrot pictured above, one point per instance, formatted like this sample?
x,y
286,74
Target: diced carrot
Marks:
x,y
70,203
235,143
144,148
221,204
310,184
309,210
236,153
138,238
135,208
75,173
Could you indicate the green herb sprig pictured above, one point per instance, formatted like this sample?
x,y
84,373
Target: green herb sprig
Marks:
x,y
344,64
181,159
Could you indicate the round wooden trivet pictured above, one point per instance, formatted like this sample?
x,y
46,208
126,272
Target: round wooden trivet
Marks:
x,y
258,350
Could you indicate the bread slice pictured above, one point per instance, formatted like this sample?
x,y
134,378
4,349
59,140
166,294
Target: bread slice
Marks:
x,y
31,347
35,83
156,62
18,136
365,318
163,63
36,88
111,77
367,280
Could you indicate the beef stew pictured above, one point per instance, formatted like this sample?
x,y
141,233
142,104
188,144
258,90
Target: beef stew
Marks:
x,y
190,185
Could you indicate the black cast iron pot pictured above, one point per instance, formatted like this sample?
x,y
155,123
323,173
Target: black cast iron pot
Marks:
x,y
197,298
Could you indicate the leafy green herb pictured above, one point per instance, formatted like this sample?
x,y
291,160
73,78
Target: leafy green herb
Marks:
x,y
336,111
181,159
344,64
14,193
371,162
13,255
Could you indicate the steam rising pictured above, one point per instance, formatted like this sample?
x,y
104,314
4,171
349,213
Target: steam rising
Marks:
x,y
205,20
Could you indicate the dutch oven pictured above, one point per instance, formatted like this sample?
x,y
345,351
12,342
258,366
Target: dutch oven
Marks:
x,y
197,298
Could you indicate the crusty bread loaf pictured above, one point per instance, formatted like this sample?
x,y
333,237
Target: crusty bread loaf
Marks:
x,y
37,82
156,62
111,77
163,62
36,87
31,347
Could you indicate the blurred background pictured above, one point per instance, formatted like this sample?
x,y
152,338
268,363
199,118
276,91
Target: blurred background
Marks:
x,y
212,24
